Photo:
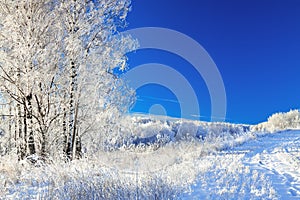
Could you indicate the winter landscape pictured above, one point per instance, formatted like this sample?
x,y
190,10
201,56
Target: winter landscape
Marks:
x,y
171,159
66,131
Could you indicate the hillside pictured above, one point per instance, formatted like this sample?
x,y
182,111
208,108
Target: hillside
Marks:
x,y
169,158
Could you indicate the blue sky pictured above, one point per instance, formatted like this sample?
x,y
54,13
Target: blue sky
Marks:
x,y
255,45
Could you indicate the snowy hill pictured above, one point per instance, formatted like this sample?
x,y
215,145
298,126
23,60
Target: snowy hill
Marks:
x,y
167,158
238,161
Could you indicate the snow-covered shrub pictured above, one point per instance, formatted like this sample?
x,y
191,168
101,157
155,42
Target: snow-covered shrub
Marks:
x,y
280,121
186,130
84,179
146,133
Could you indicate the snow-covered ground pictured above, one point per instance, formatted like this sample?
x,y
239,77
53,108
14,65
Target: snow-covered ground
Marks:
x,y
278,157
174,159
239,161
275,158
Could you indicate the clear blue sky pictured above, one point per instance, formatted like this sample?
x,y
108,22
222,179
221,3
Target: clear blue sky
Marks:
x,y
255,45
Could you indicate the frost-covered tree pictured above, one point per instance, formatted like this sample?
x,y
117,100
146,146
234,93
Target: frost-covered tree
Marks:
x,y
91,51
56,72
29,64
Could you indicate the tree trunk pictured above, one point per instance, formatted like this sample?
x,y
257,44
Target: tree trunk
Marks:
x,y
21,150
76,146
16,128
10,128
44,145
73,84
31,144
64,127
72,114
78,153
25,128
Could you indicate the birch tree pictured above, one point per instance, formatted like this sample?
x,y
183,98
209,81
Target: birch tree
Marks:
x,y
28,66
56,60
92,50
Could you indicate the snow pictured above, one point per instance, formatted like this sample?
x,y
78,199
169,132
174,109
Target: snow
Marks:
x,y
278,156
275,157
169,158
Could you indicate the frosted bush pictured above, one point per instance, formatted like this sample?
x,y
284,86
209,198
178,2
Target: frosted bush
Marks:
x,y
83,179
186,130
280,121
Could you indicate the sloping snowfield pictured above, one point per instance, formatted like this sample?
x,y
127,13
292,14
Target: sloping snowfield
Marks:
x,y
270,162
173,159
240,161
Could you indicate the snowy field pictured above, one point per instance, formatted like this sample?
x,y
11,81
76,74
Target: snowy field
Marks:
x,y
267,167
173,159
